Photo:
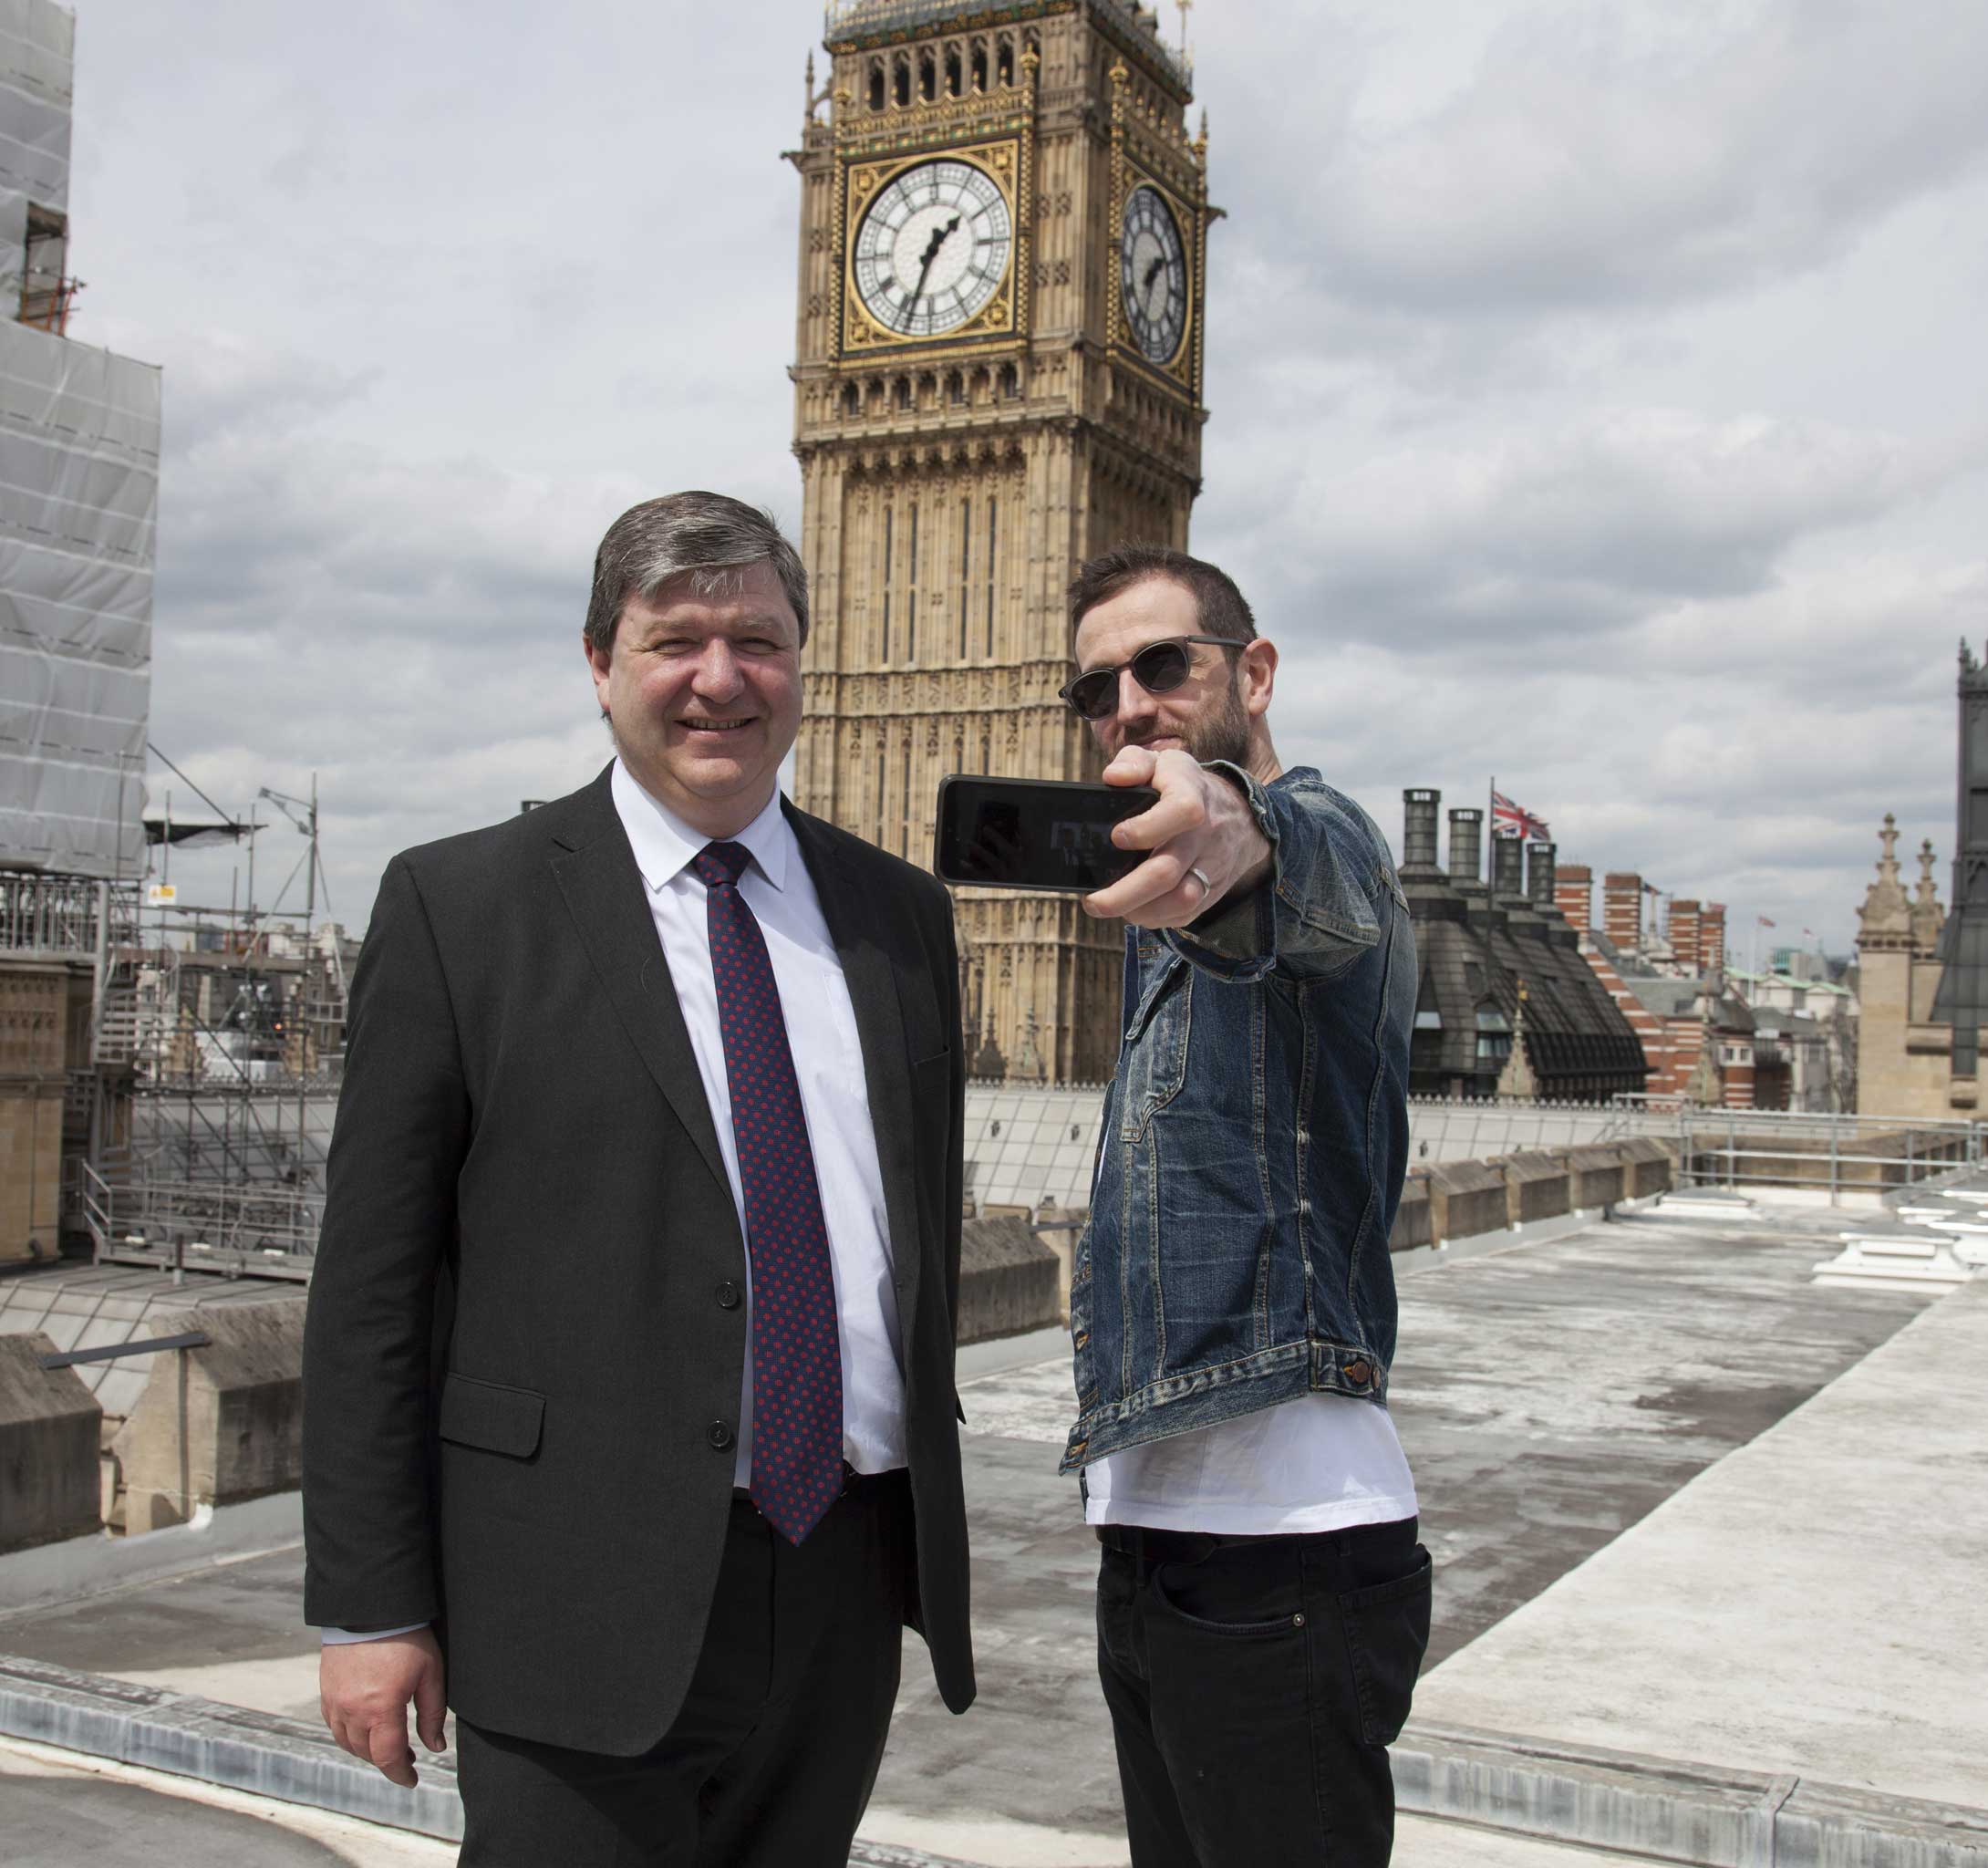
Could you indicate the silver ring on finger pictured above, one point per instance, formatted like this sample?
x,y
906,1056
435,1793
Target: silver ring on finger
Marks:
x,y
1208,887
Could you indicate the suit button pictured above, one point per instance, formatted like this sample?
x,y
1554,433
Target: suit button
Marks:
x,y
728,1296
719,1434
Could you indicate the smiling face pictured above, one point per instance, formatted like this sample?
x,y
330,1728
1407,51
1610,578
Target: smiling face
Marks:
x,y
1216,714
704,696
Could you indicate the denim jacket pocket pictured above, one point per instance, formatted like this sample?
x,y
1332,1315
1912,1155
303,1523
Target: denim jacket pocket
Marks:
x,y
1156,1064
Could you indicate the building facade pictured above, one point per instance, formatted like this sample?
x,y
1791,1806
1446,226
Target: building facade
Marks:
x,y
998,374
1504,1005
79,427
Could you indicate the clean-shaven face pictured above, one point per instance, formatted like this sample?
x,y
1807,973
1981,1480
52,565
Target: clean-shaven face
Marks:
x,y
704,695
1204,717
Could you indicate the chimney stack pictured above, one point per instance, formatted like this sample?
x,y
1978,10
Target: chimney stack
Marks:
x,y
1419,811
1466,850
1711,937
1507,868
1683,932
1574,895
1541,875
1622,910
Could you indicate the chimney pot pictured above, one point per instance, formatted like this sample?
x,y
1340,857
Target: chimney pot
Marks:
x,y
1466,837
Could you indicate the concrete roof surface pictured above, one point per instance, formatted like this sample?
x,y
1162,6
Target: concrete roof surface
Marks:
x,y
1684,1502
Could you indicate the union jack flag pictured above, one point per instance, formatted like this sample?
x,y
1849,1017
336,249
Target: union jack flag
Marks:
x,y
1508,819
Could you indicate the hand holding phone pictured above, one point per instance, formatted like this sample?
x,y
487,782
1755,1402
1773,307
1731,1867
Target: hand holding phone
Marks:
x,y
1033,833
1197,844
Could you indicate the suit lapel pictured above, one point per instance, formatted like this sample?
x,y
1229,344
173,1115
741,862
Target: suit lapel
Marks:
x,y
862,931
595,870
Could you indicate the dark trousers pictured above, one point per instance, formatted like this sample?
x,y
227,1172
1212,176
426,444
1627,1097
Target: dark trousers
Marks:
x,y
1254,1685
770,1762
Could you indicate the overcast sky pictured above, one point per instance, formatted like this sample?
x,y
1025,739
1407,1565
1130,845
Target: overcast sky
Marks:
x,y
1597,393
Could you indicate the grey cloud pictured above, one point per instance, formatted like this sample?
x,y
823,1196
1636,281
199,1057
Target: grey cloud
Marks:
x,y
1626,157
1548,531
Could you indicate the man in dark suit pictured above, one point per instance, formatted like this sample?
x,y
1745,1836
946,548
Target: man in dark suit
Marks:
x,y
630,1424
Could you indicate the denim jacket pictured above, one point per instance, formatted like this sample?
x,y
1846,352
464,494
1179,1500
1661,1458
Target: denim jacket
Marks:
x,y
1254,1142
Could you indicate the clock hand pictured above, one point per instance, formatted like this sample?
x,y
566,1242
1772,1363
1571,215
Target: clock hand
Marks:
x,y
1154,271
940,235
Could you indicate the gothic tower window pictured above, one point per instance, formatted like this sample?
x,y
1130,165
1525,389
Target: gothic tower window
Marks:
x,y
993,520
901,82
1010,381
980,65
889,577
911,592
953,81
852,400
877,84
928,78
1005,59
966,568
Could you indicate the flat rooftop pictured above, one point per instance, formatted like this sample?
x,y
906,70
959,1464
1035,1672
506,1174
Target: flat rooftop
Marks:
x,y
1685,1505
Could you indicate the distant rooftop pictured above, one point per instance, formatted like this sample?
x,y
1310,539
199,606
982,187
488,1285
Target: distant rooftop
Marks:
x,y
847,19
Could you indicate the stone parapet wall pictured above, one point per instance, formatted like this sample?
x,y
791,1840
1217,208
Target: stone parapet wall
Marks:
x,y
1467,1198
1008,1279
50,1472
219,1424
1537,1187
1597,1176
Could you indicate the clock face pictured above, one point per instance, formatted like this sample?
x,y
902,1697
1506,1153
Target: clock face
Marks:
x,y
1152,276
933,248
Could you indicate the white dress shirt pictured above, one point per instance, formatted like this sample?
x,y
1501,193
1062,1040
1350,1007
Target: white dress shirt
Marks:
x,y
834,1097
1322,1462
835,1100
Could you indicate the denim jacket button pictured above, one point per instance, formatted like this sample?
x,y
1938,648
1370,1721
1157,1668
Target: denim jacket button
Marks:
x,y
1358,1373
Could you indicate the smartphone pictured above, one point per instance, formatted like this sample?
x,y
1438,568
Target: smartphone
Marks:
x,y
1034,833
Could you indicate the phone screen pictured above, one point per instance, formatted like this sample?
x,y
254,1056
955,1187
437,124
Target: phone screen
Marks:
x,y
1029,833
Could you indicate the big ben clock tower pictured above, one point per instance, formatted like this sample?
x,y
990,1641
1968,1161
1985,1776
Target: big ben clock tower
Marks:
x,y
1003,227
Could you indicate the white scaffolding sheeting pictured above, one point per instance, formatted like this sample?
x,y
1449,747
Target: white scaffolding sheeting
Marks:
x,y
38,50
78,512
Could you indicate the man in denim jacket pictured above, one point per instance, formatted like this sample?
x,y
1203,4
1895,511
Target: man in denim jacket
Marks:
x,y
1263,1602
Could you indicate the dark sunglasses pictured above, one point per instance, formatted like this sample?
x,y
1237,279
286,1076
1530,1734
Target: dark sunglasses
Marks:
x,y
1159,667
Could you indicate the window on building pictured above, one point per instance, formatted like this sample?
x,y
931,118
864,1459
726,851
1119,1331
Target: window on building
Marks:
x,y
1004,59
1493,1037
911,592
980,65
965,568
993,521
1426,1041
954,81
877,84
928,78
901,83
890,570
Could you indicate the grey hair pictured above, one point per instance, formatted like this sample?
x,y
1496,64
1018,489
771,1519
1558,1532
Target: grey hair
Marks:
x,y
707,537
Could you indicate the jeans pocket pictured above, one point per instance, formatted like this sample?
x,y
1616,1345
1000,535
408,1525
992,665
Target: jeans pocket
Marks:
x,y
1243,1619
1387,1633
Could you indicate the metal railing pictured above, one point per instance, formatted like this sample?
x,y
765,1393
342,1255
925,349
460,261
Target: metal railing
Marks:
x,y
57,915
1838,1157
241,1228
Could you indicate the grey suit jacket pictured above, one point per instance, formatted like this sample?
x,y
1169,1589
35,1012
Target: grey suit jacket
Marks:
x,y
519,1378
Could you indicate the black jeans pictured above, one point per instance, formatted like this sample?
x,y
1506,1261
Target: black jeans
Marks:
x,y
1254,1685
770,1761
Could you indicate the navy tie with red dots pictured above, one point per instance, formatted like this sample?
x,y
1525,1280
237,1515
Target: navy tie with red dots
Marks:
x,y
797,1468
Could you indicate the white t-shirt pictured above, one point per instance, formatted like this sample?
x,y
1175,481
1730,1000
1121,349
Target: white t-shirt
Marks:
x,y
1322,1462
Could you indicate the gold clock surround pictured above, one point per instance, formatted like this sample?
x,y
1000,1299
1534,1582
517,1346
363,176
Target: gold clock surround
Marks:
x,y
1179,366
862,335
